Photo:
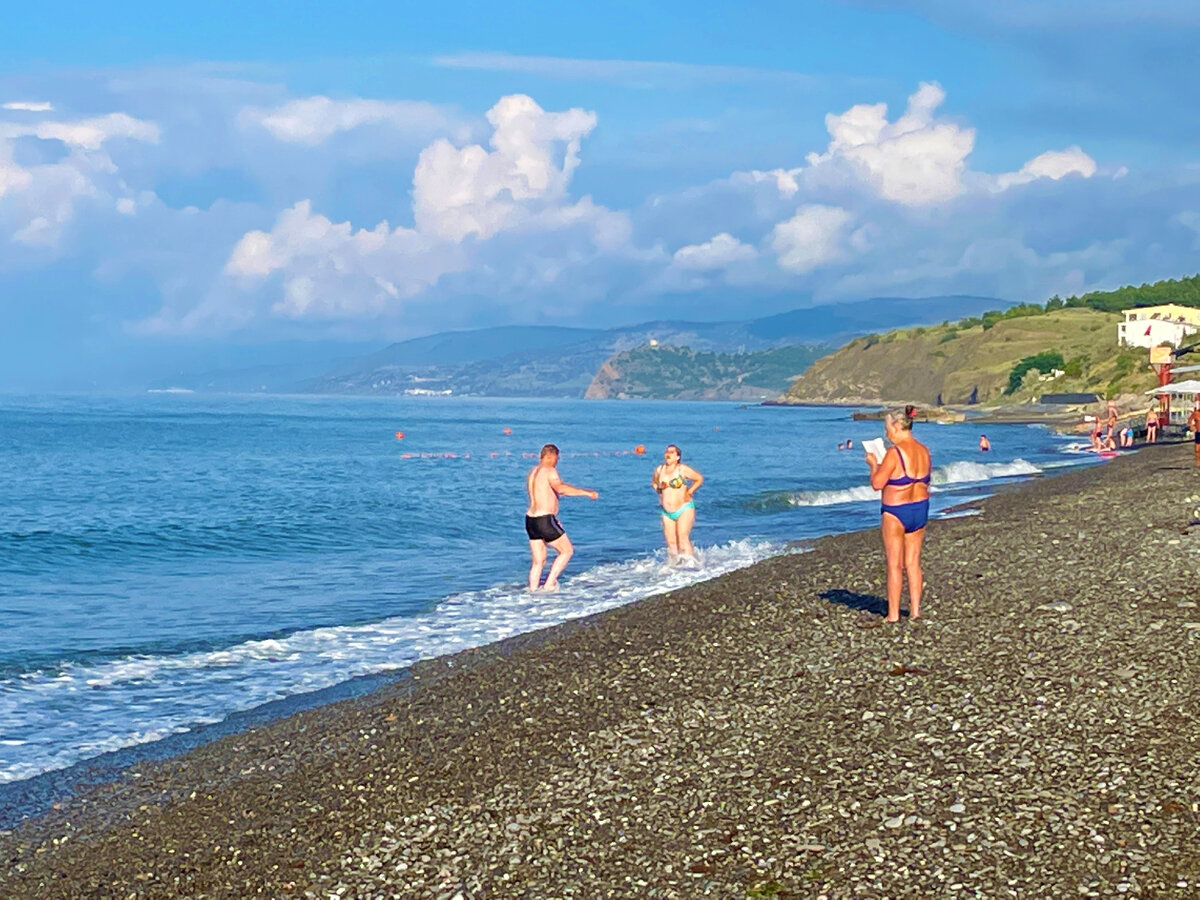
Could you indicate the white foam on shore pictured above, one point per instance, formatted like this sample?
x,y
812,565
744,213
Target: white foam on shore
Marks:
x,y
958,472
51,719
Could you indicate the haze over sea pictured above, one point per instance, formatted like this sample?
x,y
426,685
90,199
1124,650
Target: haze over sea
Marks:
x,y
167,560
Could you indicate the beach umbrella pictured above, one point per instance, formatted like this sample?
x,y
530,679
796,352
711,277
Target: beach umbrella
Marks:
x,y
1191,386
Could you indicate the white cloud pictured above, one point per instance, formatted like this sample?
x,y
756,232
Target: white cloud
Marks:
x,y
914,160
39,200
464,199
29,106
814,237
723,250
1053,164
90,134
458,192
311,120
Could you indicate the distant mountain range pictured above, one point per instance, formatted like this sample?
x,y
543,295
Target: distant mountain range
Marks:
x,y
552,361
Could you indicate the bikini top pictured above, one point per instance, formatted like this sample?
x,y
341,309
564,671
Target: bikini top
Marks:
x,y
906,478
676,482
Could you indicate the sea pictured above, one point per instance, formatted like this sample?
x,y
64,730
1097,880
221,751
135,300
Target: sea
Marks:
x,y
173,561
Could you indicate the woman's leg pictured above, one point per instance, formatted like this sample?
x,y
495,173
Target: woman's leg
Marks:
x,y
669,533
683,531
912,565
893,548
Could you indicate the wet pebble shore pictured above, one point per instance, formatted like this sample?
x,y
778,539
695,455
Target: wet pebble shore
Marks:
x,y
763,734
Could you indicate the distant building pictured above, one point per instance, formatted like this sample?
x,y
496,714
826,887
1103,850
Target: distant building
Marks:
x,y
1149,326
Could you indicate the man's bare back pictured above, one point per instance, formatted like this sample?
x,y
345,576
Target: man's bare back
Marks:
x,y
540,483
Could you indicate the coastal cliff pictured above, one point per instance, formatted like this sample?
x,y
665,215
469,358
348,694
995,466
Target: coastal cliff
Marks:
x,y
1010,361
680,373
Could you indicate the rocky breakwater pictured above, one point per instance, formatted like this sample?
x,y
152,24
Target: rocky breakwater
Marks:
x,y
760,734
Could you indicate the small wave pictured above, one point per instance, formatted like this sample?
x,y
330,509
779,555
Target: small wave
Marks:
x,y
55,717
958,472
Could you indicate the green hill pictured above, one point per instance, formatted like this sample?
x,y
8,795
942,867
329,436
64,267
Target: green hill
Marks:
x,y
1001,363
1001,356
680,373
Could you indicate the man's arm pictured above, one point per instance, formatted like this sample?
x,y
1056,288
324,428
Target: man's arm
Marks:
x,y
569,490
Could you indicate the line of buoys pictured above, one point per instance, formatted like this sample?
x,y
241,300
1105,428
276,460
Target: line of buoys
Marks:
x,y
499,454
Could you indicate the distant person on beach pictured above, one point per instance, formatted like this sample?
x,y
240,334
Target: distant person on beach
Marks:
x,y
541,519
1193,424
1152,426
984,444
1096,429
903,476
1127,436
676,484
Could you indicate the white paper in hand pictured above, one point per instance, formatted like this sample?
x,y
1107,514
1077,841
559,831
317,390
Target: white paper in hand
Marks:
x,y
875,447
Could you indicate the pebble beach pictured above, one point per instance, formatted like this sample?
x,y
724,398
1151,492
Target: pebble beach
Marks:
x,y
762,734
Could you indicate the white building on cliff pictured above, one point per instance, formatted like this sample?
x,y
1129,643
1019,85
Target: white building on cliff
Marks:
x,y
1149,326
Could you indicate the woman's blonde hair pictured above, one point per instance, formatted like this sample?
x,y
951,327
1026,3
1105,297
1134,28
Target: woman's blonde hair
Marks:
x,y
901,418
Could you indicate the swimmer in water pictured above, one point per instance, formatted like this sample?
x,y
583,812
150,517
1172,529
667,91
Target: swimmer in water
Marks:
x,y
671,481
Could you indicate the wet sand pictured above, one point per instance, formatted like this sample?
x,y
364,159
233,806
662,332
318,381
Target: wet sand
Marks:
x,y
761,734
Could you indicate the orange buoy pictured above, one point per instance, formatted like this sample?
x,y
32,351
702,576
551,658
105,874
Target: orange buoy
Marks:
x,y
508,431
640,449
399,435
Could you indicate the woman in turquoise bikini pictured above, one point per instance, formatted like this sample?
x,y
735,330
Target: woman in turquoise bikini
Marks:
x,y
671,481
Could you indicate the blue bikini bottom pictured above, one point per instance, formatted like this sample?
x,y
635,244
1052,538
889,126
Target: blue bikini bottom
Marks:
x,y
912,516
673,516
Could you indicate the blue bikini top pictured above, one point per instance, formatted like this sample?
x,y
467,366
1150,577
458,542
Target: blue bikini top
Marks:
x,y
907,479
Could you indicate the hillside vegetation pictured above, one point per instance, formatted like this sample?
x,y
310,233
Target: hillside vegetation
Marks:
x,y
1001,356
976,364
681,373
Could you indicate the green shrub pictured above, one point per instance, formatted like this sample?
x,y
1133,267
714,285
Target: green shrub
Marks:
x,y
1043,362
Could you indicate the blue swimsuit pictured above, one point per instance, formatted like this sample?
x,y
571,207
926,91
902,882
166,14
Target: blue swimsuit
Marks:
x,y
913,516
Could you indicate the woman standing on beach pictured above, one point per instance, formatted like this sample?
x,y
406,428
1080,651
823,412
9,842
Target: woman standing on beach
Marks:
x,y
903,476
1151,426
671,481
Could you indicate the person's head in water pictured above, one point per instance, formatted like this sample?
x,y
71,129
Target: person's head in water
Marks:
x,y
672,450
549,451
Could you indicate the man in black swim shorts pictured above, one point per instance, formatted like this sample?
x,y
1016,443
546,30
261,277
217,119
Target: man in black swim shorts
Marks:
x,y
541,519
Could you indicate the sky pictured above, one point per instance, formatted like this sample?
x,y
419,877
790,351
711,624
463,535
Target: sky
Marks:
x,y
186,187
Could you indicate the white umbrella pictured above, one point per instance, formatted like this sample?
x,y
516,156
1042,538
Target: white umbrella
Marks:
x,y
1191,386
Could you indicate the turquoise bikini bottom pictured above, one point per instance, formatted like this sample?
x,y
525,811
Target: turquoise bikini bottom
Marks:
x,y
673,516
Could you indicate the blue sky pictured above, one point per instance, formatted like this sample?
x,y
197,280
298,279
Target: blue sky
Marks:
x,y
193,186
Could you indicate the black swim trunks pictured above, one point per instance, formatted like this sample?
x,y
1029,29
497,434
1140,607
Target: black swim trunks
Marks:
x,y
543,528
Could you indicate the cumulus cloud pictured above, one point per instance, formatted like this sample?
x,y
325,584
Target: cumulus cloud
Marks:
x,y
914,160
722,251
464,199
814,237
470,190
37,201
312,120
1053,164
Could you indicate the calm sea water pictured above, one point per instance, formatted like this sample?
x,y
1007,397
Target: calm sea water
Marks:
x,y
167,560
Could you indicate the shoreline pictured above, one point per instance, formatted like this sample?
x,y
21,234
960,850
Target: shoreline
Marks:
x,y
697,724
